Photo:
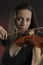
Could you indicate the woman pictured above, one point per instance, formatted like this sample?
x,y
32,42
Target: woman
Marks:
x,y
22,19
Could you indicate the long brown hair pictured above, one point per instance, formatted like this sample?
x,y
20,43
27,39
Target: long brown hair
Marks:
x,y
12,27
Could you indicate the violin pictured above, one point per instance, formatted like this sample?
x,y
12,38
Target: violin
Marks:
x,y
33,35
36,37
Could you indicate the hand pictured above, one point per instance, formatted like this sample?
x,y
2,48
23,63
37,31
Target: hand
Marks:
x,y
3,33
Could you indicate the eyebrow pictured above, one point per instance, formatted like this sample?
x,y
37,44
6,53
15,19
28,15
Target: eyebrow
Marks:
x,y
19,17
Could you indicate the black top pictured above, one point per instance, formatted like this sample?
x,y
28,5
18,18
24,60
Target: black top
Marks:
x,y
24,57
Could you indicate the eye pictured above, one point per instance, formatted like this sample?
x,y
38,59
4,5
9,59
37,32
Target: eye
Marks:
x,y
28,19
19,19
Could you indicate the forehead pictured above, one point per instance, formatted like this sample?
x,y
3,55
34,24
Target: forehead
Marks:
x,y
24,12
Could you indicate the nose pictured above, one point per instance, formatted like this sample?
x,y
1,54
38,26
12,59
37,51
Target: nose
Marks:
x,y
23,22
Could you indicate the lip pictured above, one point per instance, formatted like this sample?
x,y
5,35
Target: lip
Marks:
x,y
22,29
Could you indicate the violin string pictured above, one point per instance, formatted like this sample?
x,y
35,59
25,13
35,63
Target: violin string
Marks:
x,y
29,30
36,28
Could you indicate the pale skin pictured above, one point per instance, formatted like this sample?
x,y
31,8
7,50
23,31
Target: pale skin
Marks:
x,y
23,22
3,33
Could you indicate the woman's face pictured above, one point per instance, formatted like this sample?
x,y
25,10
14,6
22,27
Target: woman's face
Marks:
x,y
23,20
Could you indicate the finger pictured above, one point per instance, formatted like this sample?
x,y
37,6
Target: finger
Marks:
x,y
4,32
1,36
6,35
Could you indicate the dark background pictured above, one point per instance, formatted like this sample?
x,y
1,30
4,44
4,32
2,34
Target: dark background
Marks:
x,y
7,5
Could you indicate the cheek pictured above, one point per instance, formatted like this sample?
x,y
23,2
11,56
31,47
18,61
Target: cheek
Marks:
x,y
18,23
28,24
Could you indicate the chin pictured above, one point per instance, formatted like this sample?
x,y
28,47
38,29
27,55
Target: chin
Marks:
x,y
22,31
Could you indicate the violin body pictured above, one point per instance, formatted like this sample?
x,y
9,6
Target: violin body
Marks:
x,y
37,40
33,35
